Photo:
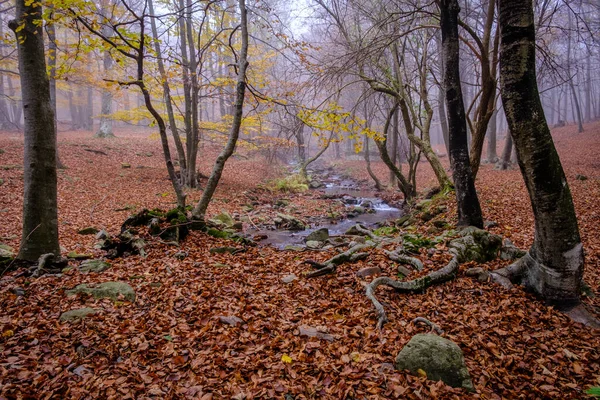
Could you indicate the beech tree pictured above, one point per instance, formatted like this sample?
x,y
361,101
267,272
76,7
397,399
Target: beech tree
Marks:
x,y
553,267
40,214
469,210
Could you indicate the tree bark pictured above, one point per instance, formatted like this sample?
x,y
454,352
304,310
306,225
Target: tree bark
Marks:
x,y
167,97
492,155
199,211
105,130
51,30
40,214
555,266
469,210
192,140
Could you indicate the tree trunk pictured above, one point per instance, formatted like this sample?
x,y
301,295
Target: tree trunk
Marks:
x,y
469,210
187,96
492,155
588,89
192,140
554,265
40,214
105,130
199,211
378,184
51,31
167,98
504,161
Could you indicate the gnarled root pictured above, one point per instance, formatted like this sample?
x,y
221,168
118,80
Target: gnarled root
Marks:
x,y
404,259
353,254
433,326
417,285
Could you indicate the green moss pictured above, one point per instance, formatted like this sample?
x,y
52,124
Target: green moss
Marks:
x,y
217,233
292,183
386,231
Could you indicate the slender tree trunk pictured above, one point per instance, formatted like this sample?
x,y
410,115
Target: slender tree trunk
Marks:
x,y
187,95
588,89
105,130
378,184
40,212
469,210
554,264
492,155
199,211
167,98
192,141
504,161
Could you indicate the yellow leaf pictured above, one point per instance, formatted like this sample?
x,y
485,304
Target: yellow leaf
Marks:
x,y
286,359
8,333
355,356
421,373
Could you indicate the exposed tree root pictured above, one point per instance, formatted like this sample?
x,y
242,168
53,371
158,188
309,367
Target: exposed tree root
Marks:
x,y
433,326
417,285
404,259
353,254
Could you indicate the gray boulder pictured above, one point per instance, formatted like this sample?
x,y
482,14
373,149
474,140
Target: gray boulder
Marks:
x,y
90,230
320,235
110,290
75,315
7,254
440,358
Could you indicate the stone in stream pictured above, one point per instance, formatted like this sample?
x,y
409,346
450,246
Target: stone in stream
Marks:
x,y
314,184
440,358
110,290
76,315
320,235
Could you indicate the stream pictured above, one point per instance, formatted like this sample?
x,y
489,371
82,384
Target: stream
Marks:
x,y
352,195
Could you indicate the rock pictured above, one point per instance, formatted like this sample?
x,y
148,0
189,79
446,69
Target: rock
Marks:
x,y
490,224
125,165
7,254
313,244
315,184
366,204
94,266
440,223
90,230
180,255
314,332
358,210
110,290
223,250
282,202
475,245
289,278
291,247
404,220
154,226
320,235
289,222
423,204
77,256
368,271
440,358
231,320
218,233
580,177
102,235
225,219
76,315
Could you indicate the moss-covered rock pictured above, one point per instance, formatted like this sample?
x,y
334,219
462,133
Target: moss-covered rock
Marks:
x,y
109,290
320,235
90,230
7,254
218,233
76,315
440,358
78,256
94,266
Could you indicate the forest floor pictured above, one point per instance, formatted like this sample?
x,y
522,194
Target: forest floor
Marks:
x,y
171,342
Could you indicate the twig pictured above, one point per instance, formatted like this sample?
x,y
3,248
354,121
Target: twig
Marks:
x,y
433,326
94,206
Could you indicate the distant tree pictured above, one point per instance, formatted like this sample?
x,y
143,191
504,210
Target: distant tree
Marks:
x,y
105,129
469,210
553,267
40,215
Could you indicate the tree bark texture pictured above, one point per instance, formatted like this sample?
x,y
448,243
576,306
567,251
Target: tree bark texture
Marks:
x,y
40,215
469,210
555,267
105,130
